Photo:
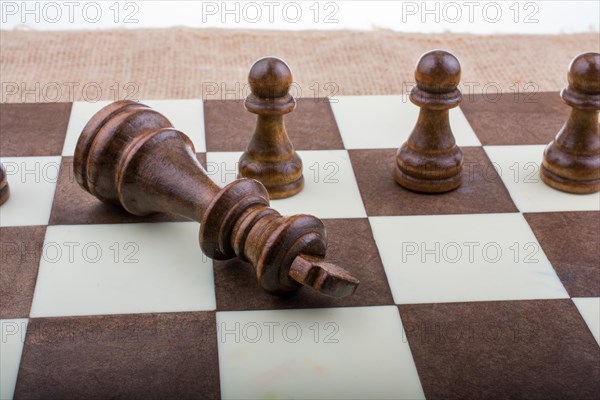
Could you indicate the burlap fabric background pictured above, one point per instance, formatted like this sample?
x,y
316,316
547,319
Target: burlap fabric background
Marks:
x,y
209,63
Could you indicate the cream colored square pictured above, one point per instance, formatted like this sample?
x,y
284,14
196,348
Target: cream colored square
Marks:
x,y
332,353
457,258
122,269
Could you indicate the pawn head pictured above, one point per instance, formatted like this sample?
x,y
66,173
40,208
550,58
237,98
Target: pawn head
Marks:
x,y
584,73
270,77
437,71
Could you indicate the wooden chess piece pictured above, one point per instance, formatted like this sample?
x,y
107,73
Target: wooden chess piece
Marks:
x,y
130,155
430,161
270,157
571,161
4,188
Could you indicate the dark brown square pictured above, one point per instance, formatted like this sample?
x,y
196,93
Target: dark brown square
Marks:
x,y
351,246
511,119
73,205
482,190
20,252
571,241
36,129
144,356
503,350
229,127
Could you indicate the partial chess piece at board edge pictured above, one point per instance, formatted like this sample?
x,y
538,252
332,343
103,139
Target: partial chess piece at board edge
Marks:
x,y
270,157
571,162
4,188
430,161
131,156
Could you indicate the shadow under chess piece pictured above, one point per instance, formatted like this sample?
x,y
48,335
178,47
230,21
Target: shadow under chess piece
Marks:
x,y
131,156
270,157
430,161
571,161
4,188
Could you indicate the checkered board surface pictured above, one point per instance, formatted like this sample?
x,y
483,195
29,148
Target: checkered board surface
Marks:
x,y
490,291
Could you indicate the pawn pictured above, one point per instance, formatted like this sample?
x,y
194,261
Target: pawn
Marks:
x,y
270,157
429,161
571,161
4,189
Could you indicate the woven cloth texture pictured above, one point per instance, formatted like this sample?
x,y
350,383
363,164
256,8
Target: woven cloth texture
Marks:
x,y
213,63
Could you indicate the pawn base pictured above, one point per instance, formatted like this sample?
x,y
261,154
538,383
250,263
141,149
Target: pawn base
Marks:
x,y
569,185
427,185
287,190
281,179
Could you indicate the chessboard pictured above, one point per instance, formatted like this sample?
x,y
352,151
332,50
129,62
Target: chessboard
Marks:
x,y
488,291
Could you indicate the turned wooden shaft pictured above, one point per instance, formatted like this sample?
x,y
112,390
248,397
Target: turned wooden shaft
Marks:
x,y
580,135
432,131
131,156
270,140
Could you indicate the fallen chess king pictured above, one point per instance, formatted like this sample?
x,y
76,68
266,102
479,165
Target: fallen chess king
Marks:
x,y
132,156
